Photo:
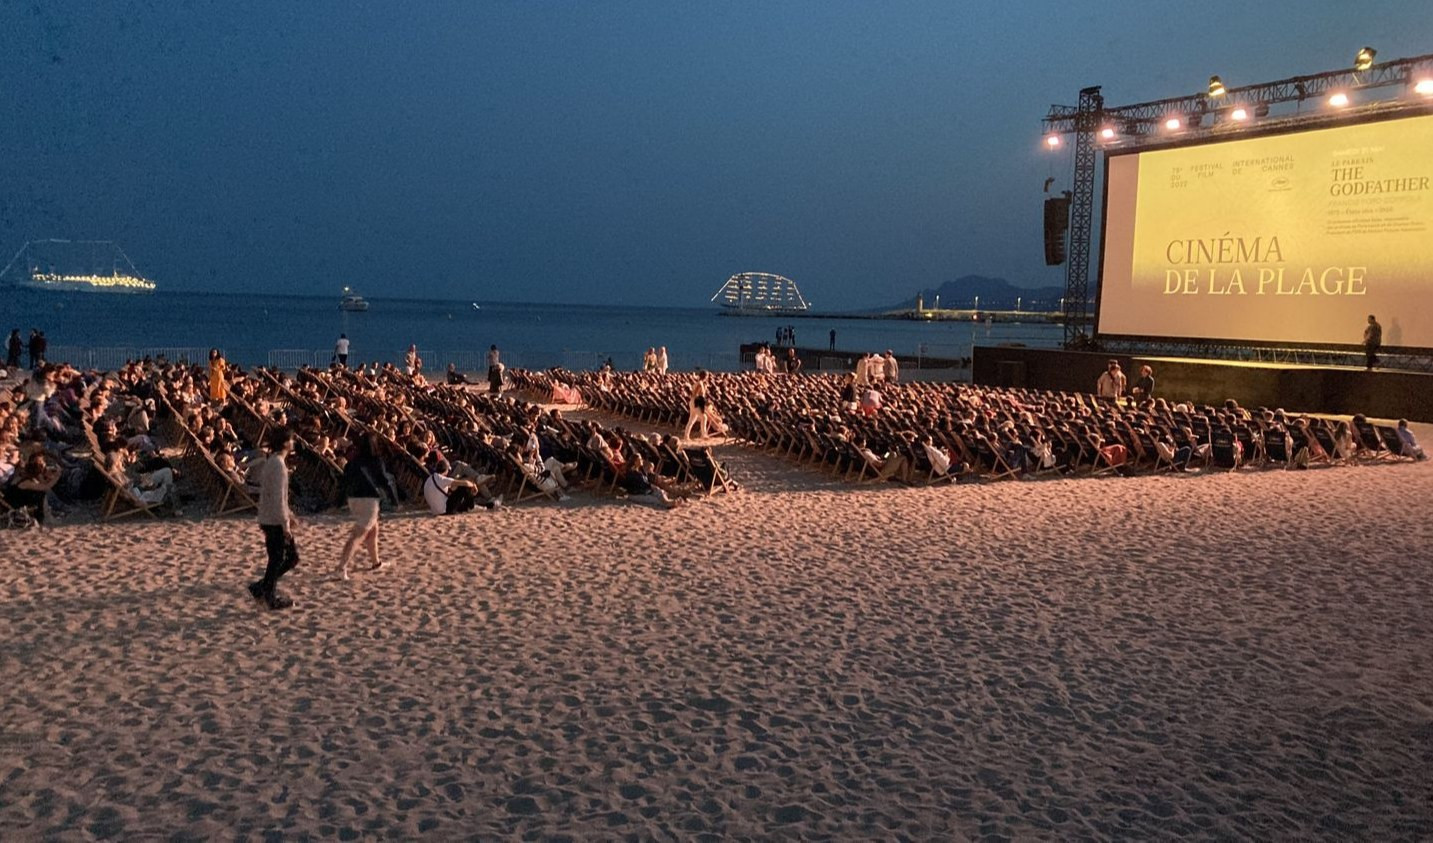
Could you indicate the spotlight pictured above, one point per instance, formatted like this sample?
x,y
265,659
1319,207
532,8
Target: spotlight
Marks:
x,y
1424,87
1239,115
1108,133
1052,141
1364,59
1173,124
1338,100
1216,87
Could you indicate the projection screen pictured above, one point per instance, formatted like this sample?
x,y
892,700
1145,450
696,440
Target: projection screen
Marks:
x,y
1278,239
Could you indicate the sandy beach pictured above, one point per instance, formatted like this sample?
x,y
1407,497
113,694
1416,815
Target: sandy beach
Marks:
x,y
1242,657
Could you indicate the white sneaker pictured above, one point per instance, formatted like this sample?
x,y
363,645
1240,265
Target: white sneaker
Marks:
x,y
564,497
498,502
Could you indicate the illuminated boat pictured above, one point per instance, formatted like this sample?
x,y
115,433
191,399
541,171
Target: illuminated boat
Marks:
x,y
761,293
352,301
75,266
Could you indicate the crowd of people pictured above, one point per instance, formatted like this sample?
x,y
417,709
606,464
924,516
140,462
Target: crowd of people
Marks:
x,y
867,424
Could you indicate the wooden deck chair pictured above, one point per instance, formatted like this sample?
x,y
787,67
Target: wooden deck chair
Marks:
x,y
120,501
711,475
1324,437
989,459
526,486
1109,458
1163,451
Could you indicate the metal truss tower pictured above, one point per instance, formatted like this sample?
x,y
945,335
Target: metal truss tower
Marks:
x,y
1082,209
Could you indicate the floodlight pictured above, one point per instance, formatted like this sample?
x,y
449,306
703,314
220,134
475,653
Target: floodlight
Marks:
x,y
1108,133
1424,87
1364,59
1216,87
1173,124
1338,100
1052,141
1239,115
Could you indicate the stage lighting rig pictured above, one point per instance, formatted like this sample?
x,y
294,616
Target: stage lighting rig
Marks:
x,y
1216,87
1364,60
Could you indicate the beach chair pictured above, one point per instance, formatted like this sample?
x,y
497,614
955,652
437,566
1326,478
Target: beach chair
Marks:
x,y
1324,436
1392,445
989,459
1109,458
1371,444
527,486
1276,449
1224,449
711,475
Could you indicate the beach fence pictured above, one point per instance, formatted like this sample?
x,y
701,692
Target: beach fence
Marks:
x,y
109,358
435,361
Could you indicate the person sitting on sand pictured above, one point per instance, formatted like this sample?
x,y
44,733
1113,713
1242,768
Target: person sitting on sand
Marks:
x,y
449,495
455,377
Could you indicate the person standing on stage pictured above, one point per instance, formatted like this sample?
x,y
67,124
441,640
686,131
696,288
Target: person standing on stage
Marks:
x,y
1111,384
277,521
1143,388
1372,341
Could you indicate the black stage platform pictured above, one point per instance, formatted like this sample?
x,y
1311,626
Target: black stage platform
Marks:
x,y
1343,390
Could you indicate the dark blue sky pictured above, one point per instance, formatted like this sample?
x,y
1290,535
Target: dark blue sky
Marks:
x,y
622,153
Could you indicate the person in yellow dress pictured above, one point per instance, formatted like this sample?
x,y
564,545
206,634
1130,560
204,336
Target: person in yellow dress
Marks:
x,y
218,381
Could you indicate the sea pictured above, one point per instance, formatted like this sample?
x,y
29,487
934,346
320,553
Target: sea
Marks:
x,y
103,331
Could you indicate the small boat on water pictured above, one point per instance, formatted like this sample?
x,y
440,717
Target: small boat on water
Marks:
x,y
352,301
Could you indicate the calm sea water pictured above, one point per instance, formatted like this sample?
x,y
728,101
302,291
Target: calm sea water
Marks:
x,y
287,330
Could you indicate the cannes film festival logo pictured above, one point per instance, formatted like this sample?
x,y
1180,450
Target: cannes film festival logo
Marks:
x,y
1279,183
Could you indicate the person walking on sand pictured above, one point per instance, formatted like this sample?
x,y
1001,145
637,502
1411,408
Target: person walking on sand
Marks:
x,y
277,522
1372,341
364,481
697,407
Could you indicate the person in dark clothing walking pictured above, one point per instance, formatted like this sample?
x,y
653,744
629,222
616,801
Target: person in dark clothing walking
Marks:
x,y
13,347
1372,341
364,482
277,521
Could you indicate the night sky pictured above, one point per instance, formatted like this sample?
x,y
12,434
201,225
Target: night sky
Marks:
x,y
619,153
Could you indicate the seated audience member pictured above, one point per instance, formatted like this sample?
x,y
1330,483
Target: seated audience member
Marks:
x,y
1411,448
455,377
886,467
549,476
448,495
939,457
870,401
151,486
639,481
31,486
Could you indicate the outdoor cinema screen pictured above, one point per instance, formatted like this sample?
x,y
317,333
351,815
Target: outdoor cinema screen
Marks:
x,y
1279,239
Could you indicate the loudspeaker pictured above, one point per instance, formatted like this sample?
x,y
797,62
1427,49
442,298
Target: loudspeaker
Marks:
x,y
1057,222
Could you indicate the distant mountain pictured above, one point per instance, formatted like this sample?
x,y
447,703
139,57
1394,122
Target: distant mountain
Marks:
x,y
994,294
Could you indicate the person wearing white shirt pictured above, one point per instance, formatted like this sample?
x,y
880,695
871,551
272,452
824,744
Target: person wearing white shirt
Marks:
x,y
893,368
340,350
662,360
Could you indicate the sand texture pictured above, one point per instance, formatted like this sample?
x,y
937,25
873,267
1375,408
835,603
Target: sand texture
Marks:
x,y
1240,657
